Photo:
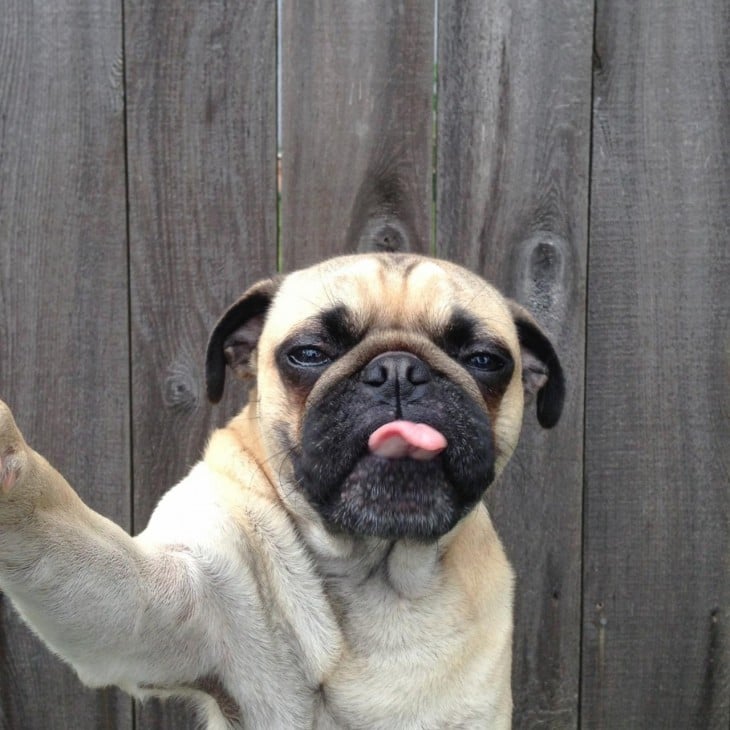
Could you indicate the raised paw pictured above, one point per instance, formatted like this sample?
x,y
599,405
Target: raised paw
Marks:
x,y
12,450
10,466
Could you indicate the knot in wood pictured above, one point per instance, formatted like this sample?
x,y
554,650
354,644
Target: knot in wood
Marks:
x,y
383,233
181,388
541,274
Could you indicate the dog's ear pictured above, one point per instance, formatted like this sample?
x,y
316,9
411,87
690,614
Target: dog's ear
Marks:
x,y
235,336
541,370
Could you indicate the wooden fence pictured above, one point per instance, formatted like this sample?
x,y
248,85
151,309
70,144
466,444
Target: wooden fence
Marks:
x,y
578,155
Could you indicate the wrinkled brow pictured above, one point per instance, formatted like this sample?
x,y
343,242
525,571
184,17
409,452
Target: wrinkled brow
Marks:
x,y
341,326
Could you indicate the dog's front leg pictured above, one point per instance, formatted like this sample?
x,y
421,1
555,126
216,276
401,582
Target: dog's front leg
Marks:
x,y
120,610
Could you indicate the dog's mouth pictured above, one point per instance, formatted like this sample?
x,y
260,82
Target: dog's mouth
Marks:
x,y
398,488
397,478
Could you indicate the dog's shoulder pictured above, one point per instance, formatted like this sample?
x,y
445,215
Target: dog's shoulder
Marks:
x,y
478,570
477,560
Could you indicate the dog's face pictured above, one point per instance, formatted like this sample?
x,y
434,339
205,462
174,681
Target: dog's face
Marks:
x,y
392,386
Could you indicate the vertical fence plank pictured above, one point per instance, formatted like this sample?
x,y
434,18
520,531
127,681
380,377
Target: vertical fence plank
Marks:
x,y
657,502
63,300
512,168
356,128
202,195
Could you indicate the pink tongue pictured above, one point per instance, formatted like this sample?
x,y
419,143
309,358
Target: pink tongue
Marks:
x,y
398,439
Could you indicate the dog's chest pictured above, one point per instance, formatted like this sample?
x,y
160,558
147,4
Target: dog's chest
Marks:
x,y
406,662
397,648
384,668
382,672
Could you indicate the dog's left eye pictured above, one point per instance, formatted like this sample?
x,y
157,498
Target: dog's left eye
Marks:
x,y
308,356
486,362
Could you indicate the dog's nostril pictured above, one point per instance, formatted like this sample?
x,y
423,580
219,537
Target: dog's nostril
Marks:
x,y
418,373
375,374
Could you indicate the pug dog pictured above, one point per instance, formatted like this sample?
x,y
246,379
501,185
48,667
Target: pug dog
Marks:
x,y
329,563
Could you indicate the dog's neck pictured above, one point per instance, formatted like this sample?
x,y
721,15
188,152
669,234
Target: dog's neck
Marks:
x,y
409,567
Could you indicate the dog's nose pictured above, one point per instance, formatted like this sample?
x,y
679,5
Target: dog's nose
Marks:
x,y
396,377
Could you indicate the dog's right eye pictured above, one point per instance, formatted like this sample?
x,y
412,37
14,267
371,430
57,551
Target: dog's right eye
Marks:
x,y
308,356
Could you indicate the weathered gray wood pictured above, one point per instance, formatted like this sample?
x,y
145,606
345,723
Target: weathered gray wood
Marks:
x,y
356,127
512,169
63,300
657,500
202,194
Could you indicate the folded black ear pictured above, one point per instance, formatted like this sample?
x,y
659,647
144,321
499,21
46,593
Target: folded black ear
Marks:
x,y
236,335
541,370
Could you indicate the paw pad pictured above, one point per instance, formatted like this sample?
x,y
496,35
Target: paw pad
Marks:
x,y
9,470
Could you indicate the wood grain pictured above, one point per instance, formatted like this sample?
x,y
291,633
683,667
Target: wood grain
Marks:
x,y
201,101
657,501
512,171
356,128
64,357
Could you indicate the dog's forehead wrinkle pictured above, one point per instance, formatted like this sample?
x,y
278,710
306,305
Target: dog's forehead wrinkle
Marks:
x,y
328,292
389,291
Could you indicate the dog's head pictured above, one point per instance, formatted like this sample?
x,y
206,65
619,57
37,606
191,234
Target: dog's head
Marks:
x,y
391,384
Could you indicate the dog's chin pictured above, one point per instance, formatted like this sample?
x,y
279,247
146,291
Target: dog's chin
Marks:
x,y
394,499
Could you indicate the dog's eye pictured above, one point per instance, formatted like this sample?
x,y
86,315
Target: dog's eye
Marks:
x,y
308,356
486,362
